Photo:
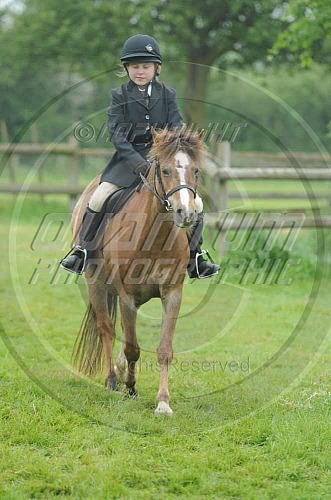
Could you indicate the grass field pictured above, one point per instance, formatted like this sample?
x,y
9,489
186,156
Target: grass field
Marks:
x,y
249,384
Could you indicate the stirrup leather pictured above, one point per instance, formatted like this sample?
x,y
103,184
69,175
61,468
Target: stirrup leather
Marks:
x,y
84,256
198,254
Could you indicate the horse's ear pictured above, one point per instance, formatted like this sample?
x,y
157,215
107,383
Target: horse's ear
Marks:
x,y
200,134
154,133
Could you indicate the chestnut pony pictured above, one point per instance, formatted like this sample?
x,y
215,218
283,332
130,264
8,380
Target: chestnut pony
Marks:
x,y
143,254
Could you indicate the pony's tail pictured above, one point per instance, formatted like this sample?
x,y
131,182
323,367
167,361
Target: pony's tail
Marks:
x,y
87,354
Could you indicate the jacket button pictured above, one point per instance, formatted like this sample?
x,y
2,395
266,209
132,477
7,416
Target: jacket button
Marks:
x,y
147,117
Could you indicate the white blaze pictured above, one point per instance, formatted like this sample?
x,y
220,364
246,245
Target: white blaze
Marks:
x,y
183,161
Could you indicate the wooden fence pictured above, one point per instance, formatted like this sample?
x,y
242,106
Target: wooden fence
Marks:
x,y
10,153
221,166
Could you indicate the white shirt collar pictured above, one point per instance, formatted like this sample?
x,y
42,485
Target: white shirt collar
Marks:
x,y
149,89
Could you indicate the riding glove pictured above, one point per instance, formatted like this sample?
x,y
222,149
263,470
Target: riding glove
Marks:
x,y
142,168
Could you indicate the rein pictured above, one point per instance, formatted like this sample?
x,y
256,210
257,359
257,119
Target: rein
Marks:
x,y
164,197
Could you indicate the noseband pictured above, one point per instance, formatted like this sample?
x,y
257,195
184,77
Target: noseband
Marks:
x,y
164,196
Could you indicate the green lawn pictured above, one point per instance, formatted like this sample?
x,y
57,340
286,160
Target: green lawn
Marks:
x,y
249,385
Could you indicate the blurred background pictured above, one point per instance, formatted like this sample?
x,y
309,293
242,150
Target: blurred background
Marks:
x,y
47,47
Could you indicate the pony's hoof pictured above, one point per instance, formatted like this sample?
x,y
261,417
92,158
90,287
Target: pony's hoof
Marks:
x,y
131,392
163,409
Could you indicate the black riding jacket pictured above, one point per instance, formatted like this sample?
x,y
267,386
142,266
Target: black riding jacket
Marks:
x,y
130,117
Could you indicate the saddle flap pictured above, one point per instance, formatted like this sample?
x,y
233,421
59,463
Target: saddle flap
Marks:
x,y
116,201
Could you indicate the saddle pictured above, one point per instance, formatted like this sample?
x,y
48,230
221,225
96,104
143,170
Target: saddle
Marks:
x,y
116,201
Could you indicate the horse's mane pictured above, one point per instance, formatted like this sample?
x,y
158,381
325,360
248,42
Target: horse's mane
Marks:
x,y
168,142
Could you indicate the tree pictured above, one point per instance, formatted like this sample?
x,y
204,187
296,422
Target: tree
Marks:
x,y
87,35
307,36
231,32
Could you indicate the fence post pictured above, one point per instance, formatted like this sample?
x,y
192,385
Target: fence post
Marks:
x,y
73,170
9,158
210,187
3,131
35,140
224,157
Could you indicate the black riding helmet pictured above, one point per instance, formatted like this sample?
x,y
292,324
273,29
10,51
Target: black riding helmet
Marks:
x,y
141,48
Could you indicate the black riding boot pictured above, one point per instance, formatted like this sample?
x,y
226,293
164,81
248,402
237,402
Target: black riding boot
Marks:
x,y
199,267
88,239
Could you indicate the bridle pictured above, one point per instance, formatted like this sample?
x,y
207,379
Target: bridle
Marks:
x,y
164,196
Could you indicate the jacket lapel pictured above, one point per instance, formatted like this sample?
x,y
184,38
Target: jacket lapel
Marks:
x,y
134,94
156,94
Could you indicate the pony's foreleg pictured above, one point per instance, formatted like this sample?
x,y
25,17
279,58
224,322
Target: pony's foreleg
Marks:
x,y
171,301
121,365
130,344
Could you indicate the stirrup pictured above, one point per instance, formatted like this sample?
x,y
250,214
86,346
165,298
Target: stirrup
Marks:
x,y
73,249
199,254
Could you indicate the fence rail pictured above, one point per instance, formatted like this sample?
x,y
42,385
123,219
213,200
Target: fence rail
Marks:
x,y
318,174
71,148
262,159
40,189
221,167
236,221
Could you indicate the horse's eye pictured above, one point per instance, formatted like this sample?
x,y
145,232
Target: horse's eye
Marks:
x,y
196,172
165,171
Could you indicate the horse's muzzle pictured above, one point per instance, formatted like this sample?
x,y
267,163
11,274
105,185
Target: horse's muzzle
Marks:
x,y
184,219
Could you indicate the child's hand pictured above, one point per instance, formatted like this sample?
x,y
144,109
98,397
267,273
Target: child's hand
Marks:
x,y
142,168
